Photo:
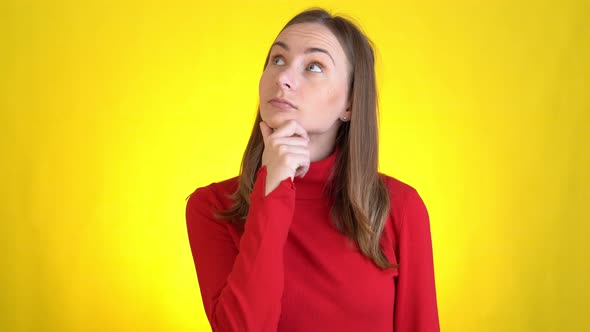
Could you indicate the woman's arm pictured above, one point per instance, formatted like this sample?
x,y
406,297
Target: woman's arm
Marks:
x,y
242,287
415,301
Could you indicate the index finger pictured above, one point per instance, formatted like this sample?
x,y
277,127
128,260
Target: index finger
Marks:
x,y
265,130
291,128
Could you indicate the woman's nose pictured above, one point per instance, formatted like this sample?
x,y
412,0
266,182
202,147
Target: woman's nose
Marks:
x,y
286,80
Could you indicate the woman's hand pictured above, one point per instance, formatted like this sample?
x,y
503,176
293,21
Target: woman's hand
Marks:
x,y
286,153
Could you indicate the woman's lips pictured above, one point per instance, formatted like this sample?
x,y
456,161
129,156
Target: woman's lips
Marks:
x,y
281,105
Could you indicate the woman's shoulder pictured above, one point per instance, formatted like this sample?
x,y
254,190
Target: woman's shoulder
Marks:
x,y
404,201
404,198
398,189
216,193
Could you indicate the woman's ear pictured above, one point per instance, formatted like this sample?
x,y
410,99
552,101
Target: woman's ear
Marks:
x,y
345,116
347,113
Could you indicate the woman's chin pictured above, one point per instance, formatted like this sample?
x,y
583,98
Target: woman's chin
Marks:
x,y
278,120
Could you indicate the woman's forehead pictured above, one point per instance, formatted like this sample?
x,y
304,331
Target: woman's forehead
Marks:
x,y
299,37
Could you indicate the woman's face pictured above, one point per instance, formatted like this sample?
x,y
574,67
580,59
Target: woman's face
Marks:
x,y
307,68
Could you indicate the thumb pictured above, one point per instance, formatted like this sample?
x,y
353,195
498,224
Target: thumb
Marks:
x,y
265,130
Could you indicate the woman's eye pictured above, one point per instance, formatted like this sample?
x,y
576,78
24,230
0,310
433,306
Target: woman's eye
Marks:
x,y
277,60
315,68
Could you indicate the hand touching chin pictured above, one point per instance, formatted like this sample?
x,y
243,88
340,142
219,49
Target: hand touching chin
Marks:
x,y
278,120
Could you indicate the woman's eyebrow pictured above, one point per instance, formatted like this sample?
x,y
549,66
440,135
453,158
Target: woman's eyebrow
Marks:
x,y
309,50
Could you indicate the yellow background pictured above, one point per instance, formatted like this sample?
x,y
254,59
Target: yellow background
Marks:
x,y
112,112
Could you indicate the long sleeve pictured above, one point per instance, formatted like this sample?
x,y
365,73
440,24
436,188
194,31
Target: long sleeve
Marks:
x,y
242,287
415,302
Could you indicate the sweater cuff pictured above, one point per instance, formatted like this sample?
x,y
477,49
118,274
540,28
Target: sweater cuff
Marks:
x,y
285,189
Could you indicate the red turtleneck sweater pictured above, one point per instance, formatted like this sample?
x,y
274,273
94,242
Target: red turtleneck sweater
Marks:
x,y
291,270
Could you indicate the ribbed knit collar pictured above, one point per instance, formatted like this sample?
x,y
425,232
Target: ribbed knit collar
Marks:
x,y
312,185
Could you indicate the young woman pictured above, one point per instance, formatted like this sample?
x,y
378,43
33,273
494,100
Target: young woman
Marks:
x,y
310,236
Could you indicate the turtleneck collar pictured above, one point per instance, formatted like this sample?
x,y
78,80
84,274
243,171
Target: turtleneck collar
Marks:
x,y
313,184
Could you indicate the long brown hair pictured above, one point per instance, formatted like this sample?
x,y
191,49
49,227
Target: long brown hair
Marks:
x,y
360,198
